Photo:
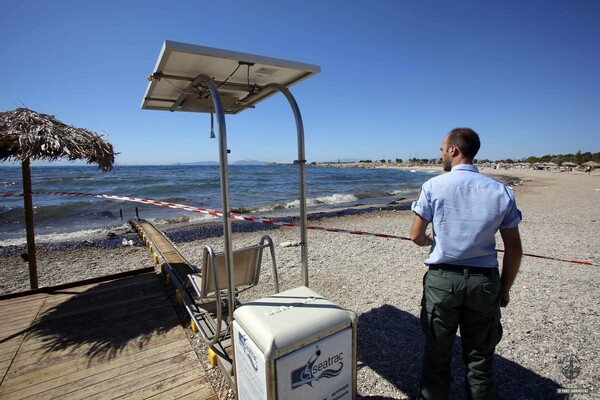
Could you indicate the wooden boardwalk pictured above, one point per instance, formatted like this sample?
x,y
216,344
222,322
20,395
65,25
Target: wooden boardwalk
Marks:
x,y
114,339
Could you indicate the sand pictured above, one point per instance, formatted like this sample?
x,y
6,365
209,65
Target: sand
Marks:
x,y
553,316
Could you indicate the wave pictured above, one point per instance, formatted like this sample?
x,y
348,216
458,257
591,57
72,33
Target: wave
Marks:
x,y
183,219
337,198
86,234
333,199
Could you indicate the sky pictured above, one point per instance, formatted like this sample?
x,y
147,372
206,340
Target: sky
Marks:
x,y
395,77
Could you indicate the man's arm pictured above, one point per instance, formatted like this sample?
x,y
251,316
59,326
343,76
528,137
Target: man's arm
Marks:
x,y
513,252
417,232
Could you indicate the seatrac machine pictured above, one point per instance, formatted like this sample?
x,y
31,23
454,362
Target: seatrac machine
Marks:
x,y
294,344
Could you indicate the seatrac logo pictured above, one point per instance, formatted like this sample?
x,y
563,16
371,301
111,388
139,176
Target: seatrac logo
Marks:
x,y
313,371
248,351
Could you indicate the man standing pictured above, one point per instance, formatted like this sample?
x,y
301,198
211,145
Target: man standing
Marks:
x,y
463,286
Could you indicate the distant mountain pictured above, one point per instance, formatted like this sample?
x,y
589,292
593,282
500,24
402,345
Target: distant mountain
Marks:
x,y
240,162
199,163
250,162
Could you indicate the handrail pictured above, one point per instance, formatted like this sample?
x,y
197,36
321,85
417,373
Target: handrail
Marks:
x,y
274,263
302,165
209,252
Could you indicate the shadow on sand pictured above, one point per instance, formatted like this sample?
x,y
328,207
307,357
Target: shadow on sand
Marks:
x,y
390,342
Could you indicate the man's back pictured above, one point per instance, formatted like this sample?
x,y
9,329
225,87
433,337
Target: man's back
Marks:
x,y
466,209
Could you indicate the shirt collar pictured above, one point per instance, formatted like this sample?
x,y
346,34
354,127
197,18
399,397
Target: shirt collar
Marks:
x,y
465,167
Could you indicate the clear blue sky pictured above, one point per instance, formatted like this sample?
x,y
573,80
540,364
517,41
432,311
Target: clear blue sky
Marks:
x,y
395,75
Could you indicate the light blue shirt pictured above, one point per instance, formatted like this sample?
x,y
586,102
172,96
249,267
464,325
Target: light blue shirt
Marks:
x,y
466,210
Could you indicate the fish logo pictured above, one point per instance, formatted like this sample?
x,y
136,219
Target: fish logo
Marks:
x,y
248,352
313,371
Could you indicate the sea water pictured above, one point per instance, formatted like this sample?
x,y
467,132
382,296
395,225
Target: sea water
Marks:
x,y
264,190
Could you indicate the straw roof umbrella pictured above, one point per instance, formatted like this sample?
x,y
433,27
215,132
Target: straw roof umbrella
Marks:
x,y
26,135
591,164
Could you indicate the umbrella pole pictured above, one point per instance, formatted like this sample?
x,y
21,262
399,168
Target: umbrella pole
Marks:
x,y
28,202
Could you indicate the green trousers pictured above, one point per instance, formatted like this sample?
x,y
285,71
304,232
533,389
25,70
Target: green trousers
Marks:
x,y
452,299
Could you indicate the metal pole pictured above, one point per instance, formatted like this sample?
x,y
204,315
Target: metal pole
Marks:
x,y
228,252
302,168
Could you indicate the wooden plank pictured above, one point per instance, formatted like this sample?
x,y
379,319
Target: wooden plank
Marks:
x,y
79,368
204,394
108,284
194,389
22,308
77,320
29,361
91,331
151,384
78,305
137,322
133,382
9,342
4,367
124,316
49,289
23,299
9,355
84,302
92,380
162,244
15,322
16,329
106,291
100,340
17,313
63,322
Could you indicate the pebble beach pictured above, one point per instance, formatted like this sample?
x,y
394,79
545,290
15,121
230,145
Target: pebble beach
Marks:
x,y
553,317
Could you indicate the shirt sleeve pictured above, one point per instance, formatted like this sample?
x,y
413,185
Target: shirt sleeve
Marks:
x,y
513,215
422,205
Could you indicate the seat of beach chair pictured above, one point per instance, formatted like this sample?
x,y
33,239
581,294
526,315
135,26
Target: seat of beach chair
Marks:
x,y
213,276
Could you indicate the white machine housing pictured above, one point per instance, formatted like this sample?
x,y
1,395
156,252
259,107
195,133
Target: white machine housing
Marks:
x,y
295,345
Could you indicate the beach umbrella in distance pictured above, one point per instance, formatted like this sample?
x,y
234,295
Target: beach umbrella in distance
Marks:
x,y
569,164
592,164
26,135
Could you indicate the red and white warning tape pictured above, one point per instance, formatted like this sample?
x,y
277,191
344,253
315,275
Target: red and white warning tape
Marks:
x,y
241,217
208,211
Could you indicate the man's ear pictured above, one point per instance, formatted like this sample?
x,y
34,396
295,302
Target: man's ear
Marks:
x,y
454,151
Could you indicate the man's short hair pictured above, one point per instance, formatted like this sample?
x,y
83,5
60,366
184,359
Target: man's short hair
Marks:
x,y
466,139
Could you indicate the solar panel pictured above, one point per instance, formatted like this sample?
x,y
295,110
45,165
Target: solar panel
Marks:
x,y
240,77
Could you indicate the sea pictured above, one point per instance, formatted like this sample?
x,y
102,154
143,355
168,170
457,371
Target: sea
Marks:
x,y
257,190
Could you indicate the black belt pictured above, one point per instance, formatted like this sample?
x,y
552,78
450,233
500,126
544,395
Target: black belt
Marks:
x,y
461,269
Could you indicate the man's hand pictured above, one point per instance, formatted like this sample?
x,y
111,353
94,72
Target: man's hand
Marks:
x,y
504,299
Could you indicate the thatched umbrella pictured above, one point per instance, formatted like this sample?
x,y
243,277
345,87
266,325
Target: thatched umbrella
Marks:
x,y
592,164
26,135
